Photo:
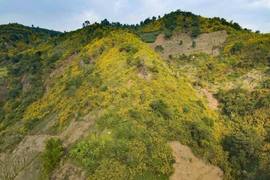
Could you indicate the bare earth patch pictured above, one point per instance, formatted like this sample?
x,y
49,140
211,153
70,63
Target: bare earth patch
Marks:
x,y
32,145
210,97
212,100
69,172
189,167
207,43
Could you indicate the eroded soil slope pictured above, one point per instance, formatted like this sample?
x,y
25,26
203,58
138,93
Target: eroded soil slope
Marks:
x,y
207,43
189,167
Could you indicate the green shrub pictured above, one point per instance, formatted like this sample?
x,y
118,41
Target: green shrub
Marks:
x,y
236,47
180,42
128,48
196,32
168,35
30,123
159,48
161,109
193,44
53,152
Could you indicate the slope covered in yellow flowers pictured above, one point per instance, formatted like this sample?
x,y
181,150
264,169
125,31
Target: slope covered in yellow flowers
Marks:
x,y
143,104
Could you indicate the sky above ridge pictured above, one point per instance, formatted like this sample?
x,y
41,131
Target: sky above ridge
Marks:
x,y
67,15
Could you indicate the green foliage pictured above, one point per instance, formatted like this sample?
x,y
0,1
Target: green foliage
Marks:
x,y
168,35
30,123
193,44
149,37
195,32
128,48
244,148
180,42
53,152
236,47
161,109
159,48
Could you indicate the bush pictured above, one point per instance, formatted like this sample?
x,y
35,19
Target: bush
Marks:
x,y
193,44
196,32
53,152
128,48
236,47
161,109
159,48
168,35
180,42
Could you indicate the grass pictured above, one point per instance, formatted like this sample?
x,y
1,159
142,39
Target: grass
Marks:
x,y
3,71
149,37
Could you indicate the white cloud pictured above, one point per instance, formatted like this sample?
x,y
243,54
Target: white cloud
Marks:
x,y
119,4
70,14
260,4
76,21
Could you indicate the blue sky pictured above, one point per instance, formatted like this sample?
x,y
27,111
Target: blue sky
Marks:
x,y
70,14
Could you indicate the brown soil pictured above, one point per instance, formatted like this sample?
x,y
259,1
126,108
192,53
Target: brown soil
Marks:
x,y
212,99
69,172
36,144
67,62
189,167
207,43
160,40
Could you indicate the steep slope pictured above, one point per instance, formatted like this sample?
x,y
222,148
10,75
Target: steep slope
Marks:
x,y
120,86
14,39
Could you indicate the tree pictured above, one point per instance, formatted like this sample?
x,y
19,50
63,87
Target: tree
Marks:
x,y
105,22
147,21
53,152
87,23
196,32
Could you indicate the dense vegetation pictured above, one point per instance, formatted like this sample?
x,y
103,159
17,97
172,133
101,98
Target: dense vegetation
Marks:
x,y
106,72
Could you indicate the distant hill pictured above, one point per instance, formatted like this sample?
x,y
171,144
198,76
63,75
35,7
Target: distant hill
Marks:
x,y
15,38
120,100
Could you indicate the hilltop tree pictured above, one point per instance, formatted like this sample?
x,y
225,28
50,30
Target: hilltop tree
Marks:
x,y
87,23
105,22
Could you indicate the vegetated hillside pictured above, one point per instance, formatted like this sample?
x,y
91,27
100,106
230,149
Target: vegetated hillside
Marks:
x,y
15,38
115,104
184,22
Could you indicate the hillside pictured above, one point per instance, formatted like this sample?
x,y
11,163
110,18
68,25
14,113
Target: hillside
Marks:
x,y
121,107
15,38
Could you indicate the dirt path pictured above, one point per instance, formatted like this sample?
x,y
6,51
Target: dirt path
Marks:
x,y
189,167
212,100
160,40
